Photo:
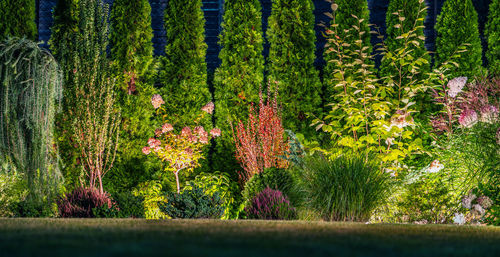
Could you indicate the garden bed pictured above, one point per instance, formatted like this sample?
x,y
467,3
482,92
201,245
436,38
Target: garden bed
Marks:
x,y
137,237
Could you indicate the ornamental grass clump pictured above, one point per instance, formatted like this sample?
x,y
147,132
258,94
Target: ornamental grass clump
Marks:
x,y
270,205
181,150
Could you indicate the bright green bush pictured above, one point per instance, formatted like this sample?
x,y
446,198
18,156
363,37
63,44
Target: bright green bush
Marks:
x,y
492,34
274,178
134,67
13,190
291,62
342,26
240,75
17,19
193,204
402,17
183,75
344,189
457,26
151,192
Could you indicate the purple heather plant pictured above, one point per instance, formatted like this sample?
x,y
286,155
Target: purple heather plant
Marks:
x,y
270,205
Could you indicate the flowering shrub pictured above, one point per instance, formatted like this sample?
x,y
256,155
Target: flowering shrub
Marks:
x,y
262,143
82,202
270,205
181,151
477,206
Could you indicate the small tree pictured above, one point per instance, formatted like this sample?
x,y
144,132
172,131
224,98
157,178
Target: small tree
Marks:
x,y
457,26
184,150
17,18
240,74
492,34
291,61
184,70
262,144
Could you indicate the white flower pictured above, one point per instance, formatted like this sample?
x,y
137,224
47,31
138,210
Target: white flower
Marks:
x,y
489,114
459,219
467,201
435,166
456,85
478,209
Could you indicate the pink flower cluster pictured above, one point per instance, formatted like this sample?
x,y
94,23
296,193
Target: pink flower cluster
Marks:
x,y
208,108
456,85
468,118
401,119
157,101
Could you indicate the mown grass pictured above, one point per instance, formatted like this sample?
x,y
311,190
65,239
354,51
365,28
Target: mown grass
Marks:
x,y
129,237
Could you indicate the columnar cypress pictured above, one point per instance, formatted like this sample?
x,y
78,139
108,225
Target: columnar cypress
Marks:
x,y
402,17
241,74
492,33
17,18
456,25
291,62
133,66
184,70
342,25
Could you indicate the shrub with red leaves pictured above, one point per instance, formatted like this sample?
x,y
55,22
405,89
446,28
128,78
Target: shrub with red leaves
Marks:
x,y
82,201
270,205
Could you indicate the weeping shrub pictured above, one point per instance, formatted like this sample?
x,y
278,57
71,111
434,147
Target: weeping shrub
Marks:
x,y
492,34
270,205
457,26
17,19
344,189
291,62
240,75
31,88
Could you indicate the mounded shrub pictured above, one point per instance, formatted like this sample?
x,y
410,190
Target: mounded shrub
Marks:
x,y
344,189
492,34
82,203
270,205
17,19
240,75
193,203
456,25
274,178
291,62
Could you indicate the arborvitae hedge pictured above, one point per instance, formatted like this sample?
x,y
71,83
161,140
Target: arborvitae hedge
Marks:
x,y
343,11
183,75
492,33
241,74
17,18
457,25
409,9
291,62
133,66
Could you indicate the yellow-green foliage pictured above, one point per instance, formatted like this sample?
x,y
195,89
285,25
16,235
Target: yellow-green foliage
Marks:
x,y
492,34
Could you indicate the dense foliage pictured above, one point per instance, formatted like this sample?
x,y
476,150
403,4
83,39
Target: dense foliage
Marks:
x,y
240,74
193,204
270,205
492,34
291,62
31,88
456,27
17,19
277,179
83,203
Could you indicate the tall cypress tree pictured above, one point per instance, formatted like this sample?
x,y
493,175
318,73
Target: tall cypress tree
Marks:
x,y
17,18
402,17
456,25
241,74
184,70
492,33
342,27
133,66
291,62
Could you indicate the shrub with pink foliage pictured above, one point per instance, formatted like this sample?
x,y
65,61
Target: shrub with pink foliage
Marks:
x,y
270,205
82,201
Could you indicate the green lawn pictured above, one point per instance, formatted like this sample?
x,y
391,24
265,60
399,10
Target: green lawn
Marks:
x,y
136,237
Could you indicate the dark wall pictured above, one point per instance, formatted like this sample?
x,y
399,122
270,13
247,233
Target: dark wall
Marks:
x,y
214,9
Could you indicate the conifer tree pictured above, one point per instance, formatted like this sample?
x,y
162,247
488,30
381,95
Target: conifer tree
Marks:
x,y
456,27
241,74
183,75
492,34
291,62
345,14
403,16
17,19
133,66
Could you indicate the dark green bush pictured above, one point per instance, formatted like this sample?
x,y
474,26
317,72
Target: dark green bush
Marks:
x,y
274,178
291,62
344,189
240,75
270,205
193,204
130,205
456,25
17,19
492,34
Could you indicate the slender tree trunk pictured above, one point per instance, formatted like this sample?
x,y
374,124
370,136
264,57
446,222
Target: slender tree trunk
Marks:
x,y
177,180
